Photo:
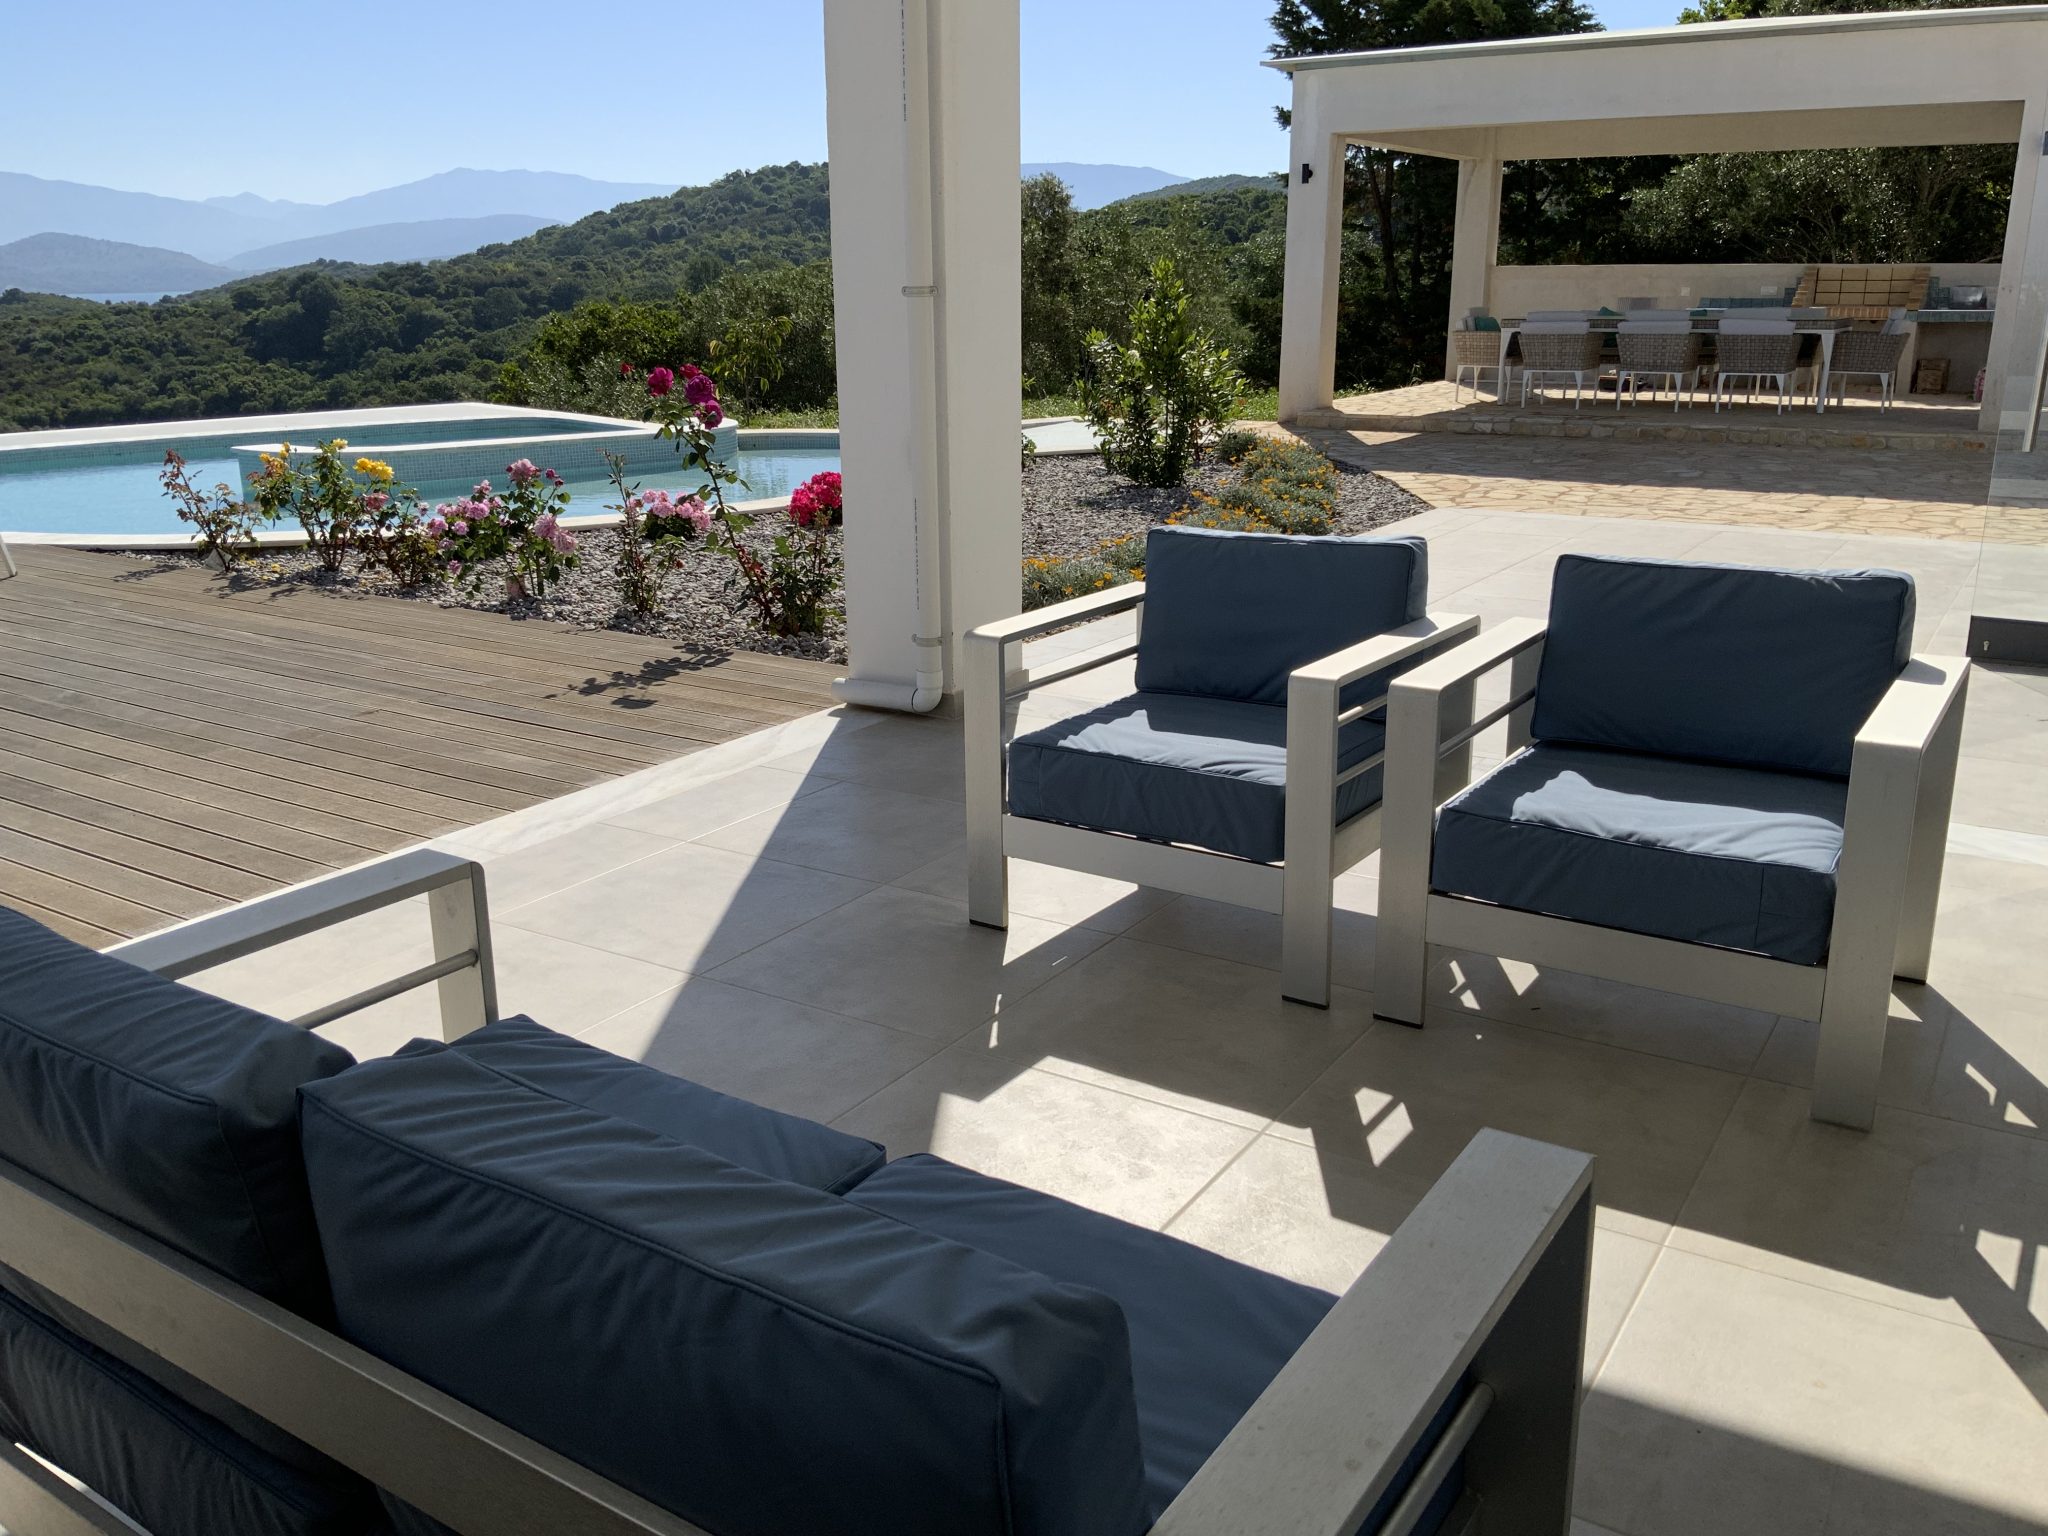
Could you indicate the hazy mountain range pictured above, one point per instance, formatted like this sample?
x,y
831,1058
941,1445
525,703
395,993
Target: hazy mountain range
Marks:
x,y
67,237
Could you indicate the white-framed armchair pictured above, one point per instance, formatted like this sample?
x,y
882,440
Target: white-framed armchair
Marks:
x,y
1726,782
1245,766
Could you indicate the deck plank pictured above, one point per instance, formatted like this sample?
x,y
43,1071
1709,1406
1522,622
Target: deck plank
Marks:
x,y
171,742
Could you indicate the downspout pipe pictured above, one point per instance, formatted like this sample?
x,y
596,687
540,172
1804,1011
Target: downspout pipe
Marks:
x,y
920,313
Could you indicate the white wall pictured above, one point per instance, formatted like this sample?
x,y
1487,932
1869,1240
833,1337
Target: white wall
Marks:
x,y
1517,290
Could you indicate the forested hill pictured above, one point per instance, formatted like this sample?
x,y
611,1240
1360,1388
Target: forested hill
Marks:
x,y
338,335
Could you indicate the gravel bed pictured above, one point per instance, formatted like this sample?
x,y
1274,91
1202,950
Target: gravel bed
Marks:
x,y
1071,505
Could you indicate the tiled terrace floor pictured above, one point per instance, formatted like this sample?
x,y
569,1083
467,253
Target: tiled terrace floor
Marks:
x,y
1794,1328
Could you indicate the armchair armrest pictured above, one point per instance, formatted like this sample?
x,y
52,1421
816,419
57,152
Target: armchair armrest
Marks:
x,y
1382,651
1914,707
1481,1293
1075,610
458,911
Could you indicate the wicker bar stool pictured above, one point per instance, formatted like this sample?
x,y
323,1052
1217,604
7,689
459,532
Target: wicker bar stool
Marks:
x,y
1656,350
1560,349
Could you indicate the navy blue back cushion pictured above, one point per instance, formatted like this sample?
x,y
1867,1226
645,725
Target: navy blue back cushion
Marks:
x,y
172,1110
1229,615
765,1140
1726,663
758,1357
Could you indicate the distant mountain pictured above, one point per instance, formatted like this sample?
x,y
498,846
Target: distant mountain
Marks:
x,y
552,196
1094,185
79,265
219,227
1202,186
417,240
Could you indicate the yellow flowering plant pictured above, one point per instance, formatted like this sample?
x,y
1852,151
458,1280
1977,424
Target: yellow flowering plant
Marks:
x,y
340,508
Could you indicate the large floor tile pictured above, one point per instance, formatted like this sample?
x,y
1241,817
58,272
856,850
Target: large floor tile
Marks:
x,y
688,907
1066,896
1994,1061
514,879
719,803
920,755
1253,938
1994,792
850,829
1209,1035
1320,1219
1661,1023
1129,1157
1914,1035
913,962
568,987
765,1049
1918,1213
1410,1099
1737,1401
1989,926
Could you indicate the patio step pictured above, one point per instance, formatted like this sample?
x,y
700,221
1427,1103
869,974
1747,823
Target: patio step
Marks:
x,y
1647,424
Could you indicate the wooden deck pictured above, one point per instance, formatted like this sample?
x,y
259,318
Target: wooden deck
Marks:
x,y
169,746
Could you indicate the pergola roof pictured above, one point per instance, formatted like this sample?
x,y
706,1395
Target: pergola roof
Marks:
x,y
1800,82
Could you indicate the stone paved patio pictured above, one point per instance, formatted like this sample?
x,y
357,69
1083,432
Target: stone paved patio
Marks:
x,y
1793,1328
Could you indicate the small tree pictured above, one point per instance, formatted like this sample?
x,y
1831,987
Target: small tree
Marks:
x,y
1157,403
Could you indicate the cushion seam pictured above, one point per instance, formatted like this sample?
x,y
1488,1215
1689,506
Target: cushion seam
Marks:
x,y
673,1140
649,1245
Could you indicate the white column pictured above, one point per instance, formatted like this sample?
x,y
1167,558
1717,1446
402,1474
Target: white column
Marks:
x,y
2022,309
921,118
1315,233
1475,244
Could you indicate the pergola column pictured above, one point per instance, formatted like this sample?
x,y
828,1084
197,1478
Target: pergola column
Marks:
x,y
1315,241
1475,245
2012,372
922,129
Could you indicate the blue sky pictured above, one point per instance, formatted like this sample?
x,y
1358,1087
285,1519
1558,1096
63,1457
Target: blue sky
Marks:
x,y
292,100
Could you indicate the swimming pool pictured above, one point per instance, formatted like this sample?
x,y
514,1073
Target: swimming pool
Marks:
x,y
104,481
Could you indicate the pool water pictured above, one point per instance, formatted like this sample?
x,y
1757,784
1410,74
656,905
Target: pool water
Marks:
x,y
126,497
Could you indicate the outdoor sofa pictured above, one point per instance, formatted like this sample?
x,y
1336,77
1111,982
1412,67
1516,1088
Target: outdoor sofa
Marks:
x,y
1728,782
506,1283
1245,765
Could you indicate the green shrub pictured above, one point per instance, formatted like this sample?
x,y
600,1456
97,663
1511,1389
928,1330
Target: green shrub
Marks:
x,y
1050,579
1236,443
1158,402
1279,487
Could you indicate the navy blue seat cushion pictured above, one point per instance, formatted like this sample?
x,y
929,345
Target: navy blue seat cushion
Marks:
x,y
168,1466
172,1110
1711,854
1727,663
1207,1334
765,1140
1175,768
758,1357
1229,615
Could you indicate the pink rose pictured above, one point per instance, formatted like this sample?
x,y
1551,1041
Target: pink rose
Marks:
x,y
699,390
522,471
660,381
710,414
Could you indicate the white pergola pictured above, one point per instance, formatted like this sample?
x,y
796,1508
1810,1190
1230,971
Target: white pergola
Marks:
x,y
1811,82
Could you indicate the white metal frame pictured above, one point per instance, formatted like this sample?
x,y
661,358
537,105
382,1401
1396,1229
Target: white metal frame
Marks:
x,y
1901,782
458,911
1317,849
7,559
1478,371
1480,1292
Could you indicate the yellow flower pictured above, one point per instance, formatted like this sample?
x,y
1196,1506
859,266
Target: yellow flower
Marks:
x,y
376,469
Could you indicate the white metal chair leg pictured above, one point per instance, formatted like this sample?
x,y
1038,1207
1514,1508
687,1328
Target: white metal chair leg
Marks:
x,y
7,559
460,917
988,867
1930,844
1407,831
1310,840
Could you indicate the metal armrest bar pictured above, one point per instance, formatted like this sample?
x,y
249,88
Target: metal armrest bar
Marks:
x,y
1356,769
457,909
1491,717
385,990
1024,679
44,1502
1490,649
1360,711
1076,610
1429,1477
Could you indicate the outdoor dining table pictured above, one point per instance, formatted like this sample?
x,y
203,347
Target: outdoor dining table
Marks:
x,y
1708,325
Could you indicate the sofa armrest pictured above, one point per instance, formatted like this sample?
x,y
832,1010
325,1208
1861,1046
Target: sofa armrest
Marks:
x,y
1481,1294
457,907
1901,776
44,1502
